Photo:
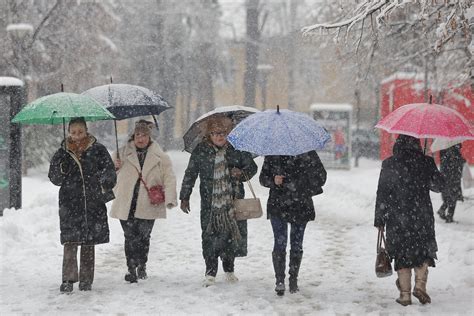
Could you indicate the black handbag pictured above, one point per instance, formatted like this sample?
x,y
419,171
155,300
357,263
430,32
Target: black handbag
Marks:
x,y
383,263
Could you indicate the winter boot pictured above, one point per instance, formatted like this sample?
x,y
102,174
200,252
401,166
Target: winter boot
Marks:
x,y
231,277
279,265
450,215
85,286
66,287
131,276
209,280
421,277
441,212
141,272
295,262
404,286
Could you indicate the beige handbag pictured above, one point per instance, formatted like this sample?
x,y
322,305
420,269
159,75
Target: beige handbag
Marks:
x,y
248,208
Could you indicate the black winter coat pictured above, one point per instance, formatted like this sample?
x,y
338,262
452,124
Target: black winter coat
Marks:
x,y
404,206
452,163
201,163
86,185
304,177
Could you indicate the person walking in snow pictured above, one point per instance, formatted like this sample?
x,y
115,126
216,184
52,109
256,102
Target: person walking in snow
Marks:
x,y
452,163
84,170
141,157
292,180
403,206
221,170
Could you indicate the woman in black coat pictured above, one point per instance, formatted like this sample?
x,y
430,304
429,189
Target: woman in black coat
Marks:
x,y
85,172
404,206
292,180
452,163
221,235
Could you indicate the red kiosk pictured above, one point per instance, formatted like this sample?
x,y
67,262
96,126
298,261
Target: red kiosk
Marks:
x,y
404,88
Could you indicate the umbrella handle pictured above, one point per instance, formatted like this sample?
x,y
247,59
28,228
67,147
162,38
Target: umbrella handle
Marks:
x,y
116,139
156,122
64,132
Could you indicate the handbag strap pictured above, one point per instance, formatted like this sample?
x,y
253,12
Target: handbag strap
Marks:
x,y
141,178
249,184
380,240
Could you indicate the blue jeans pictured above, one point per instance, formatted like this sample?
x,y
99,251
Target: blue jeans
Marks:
x,y
280,234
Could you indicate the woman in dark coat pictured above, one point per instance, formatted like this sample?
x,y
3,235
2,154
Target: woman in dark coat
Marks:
x,y
221,170
85,172
292,180
452,163
403,206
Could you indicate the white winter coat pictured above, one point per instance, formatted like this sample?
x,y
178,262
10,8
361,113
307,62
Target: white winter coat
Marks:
x,y
157,169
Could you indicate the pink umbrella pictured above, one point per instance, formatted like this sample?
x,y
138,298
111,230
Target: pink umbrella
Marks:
x,y
424,120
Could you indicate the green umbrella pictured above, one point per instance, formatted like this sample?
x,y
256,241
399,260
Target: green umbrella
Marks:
x,y
61,107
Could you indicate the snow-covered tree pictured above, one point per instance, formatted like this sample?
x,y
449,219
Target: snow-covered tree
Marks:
x,y
46,43
433,36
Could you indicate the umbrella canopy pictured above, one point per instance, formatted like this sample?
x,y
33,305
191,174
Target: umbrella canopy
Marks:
x,y
196,132
424,120
279,132
61,107
440,144
127,101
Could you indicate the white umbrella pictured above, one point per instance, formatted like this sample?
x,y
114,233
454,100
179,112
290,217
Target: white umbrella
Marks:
x,y
441,143
196,132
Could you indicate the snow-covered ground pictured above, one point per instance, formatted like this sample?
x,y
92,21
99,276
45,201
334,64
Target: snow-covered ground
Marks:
x,y
337,275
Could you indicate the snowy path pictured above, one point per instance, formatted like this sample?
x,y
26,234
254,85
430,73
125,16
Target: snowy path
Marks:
x,y
336,278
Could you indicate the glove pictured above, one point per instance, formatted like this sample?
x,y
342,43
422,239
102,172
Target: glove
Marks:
x,y
63,160
185,206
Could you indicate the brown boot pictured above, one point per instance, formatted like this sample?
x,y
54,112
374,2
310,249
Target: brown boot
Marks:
x,y
421,277
404,286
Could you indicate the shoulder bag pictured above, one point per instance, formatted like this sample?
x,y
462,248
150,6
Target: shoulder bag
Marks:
x,y
248,208
383,265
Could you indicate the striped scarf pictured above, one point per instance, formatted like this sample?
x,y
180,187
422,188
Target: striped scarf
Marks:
x,y
222,207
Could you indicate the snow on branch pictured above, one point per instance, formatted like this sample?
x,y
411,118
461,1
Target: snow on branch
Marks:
x,y
455,22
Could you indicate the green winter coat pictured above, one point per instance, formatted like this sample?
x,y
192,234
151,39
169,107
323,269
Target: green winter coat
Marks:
x,y
201,163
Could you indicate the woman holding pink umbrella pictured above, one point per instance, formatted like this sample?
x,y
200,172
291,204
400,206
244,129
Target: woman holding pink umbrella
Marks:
x,y
403,206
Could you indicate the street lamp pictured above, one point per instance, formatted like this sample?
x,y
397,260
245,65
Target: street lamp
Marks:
x,y
19,33
263,71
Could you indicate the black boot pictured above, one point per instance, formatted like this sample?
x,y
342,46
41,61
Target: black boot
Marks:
x,y
450,215
141,271
131,276
85,286
279,265
295,262
66,287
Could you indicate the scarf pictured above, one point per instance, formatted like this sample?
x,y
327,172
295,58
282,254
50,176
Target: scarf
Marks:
x,y
78,148
222,206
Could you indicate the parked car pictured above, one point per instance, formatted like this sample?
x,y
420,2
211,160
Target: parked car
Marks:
x,y
365,143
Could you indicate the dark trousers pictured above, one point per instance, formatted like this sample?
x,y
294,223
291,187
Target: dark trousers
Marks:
x,y
137,234
451,206
87,261
212,264
280,235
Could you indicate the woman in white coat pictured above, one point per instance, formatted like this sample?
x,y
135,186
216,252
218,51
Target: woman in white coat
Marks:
x,y
141,155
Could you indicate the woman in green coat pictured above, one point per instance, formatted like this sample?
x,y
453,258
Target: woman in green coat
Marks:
x,y
221,170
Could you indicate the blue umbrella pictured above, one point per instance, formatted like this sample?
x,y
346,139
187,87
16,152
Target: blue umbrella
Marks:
x,y
278,132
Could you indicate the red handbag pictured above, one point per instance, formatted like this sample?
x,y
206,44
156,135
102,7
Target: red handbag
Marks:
x,y
156,194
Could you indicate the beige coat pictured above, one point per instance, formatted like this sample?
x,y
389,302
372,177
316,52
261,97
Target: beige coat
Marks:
x,y
157,169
